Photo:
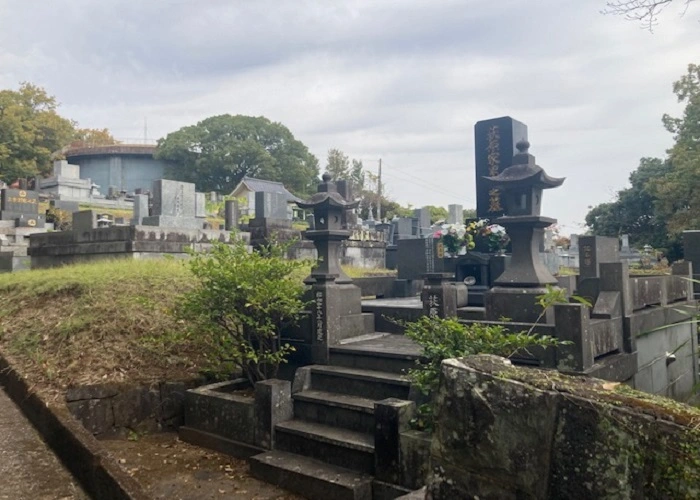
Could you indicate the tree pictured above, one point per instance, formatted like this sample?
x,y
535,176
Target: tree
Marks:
x,y
437,213
469,213
357,176
678,189
338,164
635,211
30,132
92,137
664,198
219,151
645,12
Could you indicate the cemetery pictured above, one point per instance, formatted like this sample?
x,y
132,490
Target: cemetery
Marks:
x,y
334,402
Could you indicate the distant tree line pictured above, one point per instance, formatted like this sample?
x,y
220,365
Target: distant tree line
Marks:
x,y
214,154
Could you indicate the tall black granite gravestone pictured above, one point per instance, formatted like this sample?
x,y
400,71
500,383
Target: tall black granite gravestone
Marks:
x,y
494,146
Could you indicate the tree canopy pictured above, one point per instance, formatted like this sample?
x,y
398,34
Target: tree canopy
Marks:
x,y
678,191
92,137
30,132
664,197
219,151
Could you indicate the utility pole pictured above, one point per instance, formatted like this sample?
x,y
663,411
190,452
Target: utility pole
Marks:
x,y
379,192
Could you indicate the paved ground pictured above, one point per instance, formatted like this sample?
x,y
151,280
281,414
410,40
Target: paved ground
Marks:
x,y
172,470
28,468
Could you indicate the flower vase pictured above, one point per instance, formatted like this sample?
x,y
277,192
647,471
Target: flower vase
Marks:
x,y
462,251
448,255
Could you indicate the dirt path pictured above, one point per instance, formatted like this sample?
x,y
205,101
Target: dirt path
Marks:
x,y
170,469
28,468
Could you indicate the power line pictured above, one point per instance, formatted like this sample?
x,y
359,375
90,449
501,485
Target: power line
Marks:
x,y
425,184
418,181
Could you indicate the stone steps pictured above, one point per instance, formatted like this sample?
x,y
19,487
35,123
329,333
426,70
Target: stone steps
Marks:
x,y
311,478
370,384
336,446
327,450
355,357
337,410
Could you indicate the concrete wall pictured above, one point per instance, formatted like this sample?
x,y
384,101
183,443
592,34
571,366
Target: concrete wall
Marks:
x,y
126,172
657,373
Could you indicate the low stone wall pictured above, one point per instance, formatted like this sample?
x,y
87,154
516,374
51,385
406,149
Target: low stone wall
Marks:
x,y
109,409
507,432
69,247
377,286
238,424
364,249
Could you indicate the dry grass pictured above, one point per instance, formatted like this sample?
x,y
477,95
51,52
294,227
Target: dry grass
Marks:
x,y
103,322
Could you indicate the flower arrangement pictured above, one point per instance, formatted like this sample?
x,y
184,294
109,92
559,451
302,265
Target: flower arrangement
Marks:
x,y
458,238
455,237
497,238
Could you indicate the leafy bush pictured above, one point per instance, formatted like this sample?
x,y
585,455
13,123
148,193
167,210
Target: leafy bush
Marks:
x,y
448,338
241,303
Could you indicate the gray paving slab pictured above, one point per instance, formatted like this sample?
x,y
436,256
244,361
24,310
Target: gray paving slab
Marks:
x,y
389,344
28,468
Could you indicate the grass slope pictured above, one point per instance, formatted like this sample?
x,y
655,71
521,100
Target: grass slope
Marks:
x,y
107,321
101,322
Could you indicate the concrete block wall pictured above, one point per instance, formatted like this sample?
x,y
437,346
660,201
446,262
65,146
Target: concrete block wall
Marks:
x,y
666,361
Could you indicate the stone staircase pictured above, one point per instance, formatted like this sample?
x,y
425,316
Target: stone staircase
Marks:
x,y
327,449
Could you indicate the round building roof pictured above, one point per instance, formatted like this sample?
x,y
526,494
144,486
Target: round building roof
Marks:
x,y
113,149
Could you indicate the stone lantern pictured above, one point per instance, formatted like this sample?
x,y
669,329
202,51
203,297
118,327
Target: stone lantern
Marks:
x,y
521,185
336,312
329,231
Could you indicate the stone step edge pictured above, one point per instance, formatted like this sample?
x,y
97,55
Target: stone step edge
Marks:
x,y
361,338
360,374
345,401
290,466
353,350
335,436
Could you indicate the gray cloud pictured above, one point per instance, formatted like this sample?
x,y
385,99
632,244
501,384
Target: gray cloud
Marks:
x,y
404,81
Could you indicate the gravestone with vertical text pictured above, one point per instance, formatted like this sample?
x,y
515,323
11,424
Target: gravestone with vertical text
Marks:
x,y
494,147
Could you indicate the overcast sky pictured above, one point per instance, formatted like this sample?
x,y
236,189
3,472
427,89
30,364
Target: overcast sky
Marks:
x,y
403,81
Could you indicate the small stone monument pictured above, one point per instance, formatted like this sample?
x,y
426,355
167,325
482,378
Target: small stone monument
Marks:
x,y
455,214
173,206
231,215
515,291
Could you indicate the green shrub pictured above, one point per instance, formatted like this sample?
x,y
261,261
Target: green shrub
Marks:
x,y
448,338
241,302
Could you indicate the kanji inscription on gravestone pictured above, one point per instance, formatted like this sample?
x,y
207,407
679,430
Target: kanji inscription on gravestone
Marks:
x,y
494,147
19,201
319,317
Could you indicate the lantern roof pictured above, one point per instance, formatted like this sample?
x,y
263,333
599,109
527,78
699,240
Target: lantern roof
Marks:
x,y
327,196
524,172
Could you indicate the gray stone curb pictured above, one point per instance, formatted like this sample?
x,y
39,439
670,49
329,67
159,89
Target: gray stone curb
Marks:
x,y
77,449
